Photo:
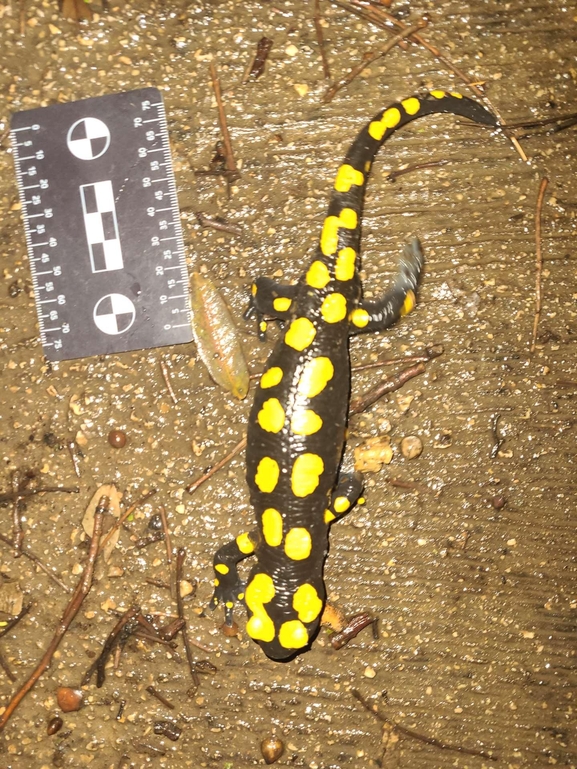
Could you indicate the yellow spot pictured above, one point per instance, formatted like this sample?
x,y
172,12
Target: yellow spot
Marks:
x,y
438,94
229,605
334,308
330,233
293,634
271,377
263,325
305,474
221,568
298,544
306,603
346,177
316,373
318,275
361,501
259,591
359,317
367,166
271,416
244,544
253,289
411,106
300,334
240,596
272,527
345,264
281,303
409,303
456,95
267,474
306,422
390,119
329,516
341,504
216,582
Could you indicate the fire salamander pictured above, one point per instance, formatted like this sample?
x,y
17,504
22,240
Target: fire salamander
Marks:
x,y
297,425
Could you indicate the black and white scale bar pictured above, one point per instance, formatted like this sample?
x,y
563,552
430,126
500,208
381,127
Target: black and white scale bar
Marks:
x,y
102,225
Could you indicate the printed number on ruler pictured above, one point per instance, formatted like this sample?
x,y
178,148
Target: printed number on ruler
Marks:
x,y
102,225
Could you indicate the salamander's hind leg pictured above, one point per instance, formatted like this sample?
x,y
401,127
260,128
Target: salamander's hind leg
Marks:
x,y
398,301
271,299
346,494
228,587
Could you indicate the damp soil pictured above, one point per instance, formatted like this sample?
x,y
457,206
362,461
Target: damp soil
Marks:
x,y
465,553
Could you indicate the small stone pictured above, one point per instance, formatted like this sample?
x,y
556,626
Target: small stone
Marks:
x,y
69,699
369,673
117,439
271,749
186,588
411,447
54,725
301,88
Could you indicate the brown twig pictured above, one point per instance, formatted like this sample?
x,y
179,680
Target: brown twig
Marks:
x,y
215,224
167,382
369,58
5,667
80,593
180,556
256,67
118,635
34,558
15,620
497,440
125,515
215,468
429,354
421,737
72,447
321,40
539,259
364,401
166,530
392,176
352,629
160,697
232,170
17,530
9,496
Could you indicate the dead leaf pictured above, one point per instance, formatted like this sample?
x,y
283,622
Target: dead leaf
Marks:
x,y
109,490
11,598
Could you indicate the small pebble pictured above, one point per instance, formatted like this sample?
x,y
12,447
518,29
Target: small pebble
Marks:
x,y
117,439
411,447
54,725
272,749
498,502
155,522
230,631
69,699
168,729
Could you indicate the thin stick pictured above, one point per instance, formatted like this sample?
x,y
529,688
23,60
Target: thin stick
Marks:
x,y
430,353
321,40
167,382
34,558
9,497
80,593
215,468
539,259
363,402
369,58
165,528
115,637
17,531
6,668
160,697
229,155
73,451
215,224
125,515
15,620
421,737
180,556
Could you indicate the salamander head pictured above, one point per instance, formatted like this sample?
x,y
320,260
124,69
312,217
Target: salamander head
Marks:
x,y
283,617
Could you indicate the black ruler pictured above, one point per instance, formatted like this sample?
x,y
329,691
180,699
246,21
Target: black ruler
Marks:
x,y
102,225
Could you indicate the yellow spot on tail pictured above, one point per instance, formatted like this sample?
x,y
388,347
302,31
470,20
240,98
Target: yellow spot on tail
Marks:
x,y
221,568
271,416
281,303
293,634
271,377
390,119
409,303
317,372
267,474
216,582
346,177
361,501
272,527
438,94
334,308
300,334
318,275
359,317
329,516
456,95
306,603
345,264
341,504
298,544
263,325
259,591
306,422
330,233
244,544
411,106
253,289
367,166
305,474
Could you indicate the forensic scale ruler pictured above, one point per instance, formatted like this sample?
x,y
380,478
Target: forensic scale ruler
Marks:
x,y
102,225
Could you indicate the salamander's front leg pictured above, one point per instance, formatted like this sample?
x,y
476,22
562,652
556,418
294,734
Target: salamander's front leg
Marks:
x,y
398,301
228,587
271,299
346,494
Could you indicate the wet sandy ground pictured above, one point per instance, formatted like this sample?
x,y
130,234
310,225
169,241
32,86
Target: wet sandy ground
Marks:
x,y
471,572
